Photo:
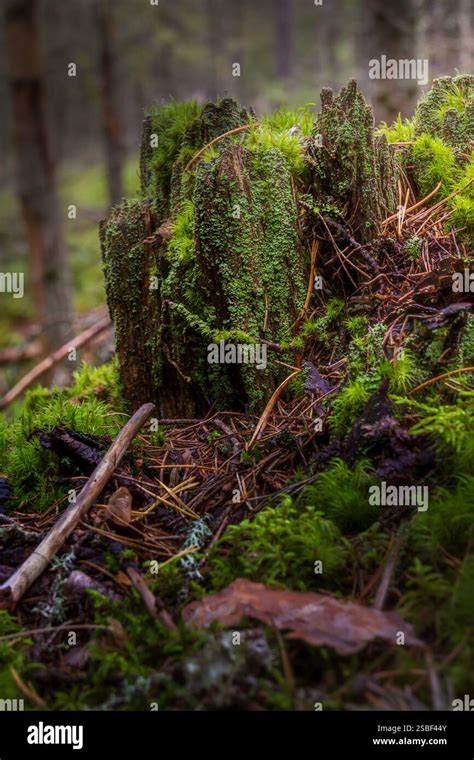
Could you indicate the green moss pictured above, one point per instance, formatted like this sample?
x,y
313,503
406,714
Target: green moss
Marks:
x,y
175,125
282,544
13,654
31,469
435,162
347,406
402,130
447,111
412,247
342,495
354,169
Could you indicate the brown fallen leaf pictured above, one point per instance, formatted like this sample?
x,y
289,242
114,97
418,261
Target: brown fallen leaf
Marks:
x,y
119,507
318,619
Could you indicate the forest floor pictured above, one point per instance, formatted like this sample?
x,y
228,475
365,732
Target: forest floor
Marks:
x,y
112,623
315,554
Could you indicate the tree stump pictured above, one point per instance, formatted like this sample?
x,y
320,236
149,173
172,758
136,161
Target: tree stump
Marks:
x,y
207,273
354,173
211,266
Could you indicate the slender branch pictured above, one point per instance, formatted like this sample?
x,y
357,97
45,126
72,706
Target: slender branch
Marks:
x,y
217,139
440,377
51,361
15,587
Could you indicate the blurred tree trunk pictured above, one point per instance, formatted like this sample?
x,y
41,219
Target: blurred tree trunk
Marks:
x,y
49,264
466,33
214,42
283,40
391,31
110,102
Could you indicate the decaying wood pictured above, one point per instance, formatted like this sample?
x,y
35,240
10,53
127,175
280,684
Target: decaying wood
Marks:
x,y
14,588
52,360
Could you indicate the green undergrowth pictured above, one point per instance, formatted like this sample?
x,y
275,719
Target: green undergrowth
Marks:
x,y
171,124
13,655
89,406
439,147
282,544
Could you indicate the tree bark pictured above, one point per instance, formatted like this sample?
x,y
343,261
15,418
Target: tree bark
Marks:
x,y
49,265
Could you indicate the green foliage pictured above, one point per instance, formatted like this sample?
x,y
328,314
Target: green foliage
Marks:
x,y
435,162
427,591
282,544
285,119
319,328
442,152
123,672
448,524
171,123
402,130
342,495
412,247
30,468
264,138
357,326
450,427
402,372
181,244
347,406
13,654
275,131
446,111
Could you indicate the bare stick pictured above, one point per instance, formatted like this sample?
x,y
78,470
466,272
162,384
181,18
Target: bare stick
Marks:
x,y
153,603
52,360
389,569
14,588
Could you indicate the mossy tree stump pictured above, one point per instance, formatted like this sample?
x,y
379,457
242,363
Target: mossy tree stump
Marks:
x,y
213,253
214,256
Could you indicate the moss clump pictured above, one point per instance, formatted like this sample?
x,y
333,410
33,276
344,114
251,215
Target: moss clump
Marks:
x,y
13,655
447,112
282,545
341,494
31,469
170,133
402,130
442,135
353,169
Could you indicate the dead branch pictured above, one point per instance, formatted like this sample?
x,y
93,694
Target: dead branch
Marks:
x,y
14,588
53,359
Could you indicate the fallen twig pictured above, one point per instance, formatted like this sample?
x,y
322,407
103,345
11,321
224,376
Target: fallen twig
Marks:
x,y
53,359
14,588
